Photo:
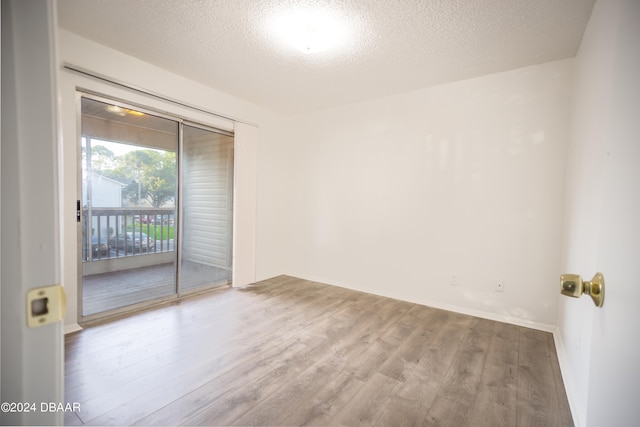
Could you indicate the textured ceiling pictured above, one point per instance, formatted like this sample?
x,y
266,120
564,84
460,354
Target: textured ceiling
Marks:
x,y
393,45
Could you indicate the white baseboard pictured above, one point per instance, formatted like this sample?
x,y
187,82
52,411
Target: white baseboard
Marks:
x,y
569,386
436,304
72,327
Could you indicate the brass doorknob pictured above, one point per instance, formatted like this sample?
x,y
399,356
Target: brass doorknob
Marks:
x,y
572,285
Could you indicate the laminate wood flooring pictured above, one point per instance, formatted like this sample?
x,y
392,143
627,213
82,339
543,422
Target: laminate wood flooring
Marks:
x,y
286,351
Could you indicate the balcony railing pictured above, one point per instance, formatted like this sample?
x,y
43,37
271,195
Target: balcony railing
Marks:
x,y
125,232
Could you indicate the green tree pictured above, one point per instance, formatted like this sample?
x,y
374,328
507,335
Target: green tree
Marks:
x,y
159,180
149,174
101,158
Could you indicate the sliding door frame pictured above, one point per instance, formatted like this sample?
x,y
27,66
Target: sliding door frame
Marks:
x,y
179,293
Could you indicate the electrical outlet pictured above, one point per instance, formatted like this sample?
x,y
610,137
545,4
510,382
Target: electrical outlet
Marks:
x,y
500,286
454,280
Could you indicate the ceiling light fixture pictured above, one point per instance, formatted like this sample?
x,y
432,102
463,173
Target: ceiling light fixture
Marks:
x,y
310,29
116,110
135,113
123,111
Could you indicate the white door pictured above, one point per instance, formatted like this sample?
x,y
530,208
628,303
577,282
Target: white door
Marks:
x,y
614,377
602,345
32,358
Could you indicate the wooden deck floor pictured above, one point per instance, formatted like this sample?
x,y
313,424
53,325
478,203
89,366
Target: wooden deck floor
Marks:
x,y
108,291
292,352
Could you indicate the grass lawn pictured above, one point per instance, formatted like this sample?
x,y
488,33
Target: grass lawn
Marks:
x,y
157,232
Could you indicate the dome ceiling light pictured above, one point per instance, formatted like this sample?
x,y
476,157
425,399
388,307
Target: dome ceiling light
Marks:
x,y
310,29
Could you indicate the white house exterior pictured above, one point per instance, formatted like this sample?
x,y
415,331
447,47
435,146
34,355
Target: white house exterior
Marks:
x,y
105,192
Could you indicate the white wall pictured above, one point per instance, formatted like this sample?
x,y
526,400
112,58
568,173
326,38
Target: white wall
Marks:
x,y
598,348
94,57
397,195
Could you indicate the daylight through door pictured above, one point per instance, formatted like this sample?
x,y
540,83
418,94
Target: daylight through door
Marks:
x,y
142,188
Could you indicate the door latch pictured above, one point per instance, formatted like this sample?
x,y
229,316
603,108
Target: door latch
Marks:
x,y
572,285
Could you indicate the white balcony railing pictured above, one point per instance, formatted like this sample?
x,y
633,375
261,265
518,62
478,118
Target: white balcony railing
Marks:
x,y
125,232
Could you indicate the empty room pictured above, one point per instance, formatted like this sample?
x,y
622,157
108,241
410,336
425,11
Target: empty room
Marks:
x,y
320,212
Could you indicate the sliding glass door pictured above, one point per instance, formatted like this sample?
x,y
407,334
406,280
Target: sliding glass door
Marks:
x,y
155,207
207,188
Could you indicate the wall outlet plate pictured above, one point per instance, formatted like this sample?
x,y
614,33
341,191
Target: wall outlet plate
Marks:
x,y
500,286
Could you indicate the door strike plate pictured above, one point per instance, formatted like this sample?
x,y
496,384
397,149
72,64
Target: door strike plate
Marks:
x,y
45,305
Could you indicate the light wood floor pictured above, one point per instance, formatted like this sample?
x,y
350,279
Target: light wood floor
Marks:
x,y
291,352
